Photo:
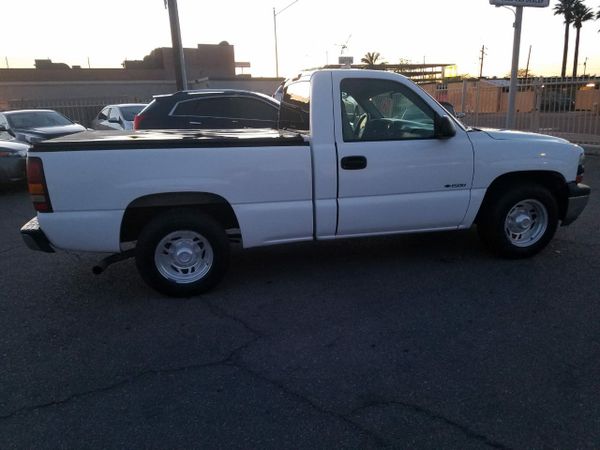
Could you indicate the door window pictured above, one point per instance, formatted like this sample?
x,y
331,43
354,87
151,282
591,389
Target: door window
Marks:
x,y
113,114
205,107
383,110
228,108
103,115
252,109
4,135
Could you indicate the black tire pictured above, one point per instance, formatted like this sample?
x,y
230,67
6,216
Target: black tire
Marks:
x,y
169,224
491,223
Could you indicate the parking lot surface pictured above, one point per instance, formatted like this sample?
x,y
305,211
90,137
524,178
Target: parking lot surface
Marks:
x,y
410,342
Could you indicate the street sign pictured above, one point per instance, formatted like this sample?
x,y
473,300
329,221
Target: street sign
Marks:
x,y
526,3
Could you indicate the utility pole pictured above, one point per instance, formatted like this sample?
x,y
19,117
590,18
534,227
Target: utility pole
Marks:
x,y
276,51
6,59
584,65
178,58
528,60
512,93
481,58
275,14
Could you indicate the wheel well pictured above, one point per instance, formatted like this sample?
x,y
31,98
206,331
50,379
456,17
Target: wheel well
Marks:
x,y
142,210
553,181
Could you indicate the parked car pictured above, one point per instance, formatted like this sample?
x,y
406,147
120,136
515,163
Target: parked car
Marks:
x,y
318,177
31,126
117,117
13,156
218,109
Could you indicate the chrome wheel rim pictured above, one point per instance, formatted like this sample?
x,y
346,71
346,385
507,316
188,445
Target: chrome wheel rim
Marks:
x,y
184,256
526,223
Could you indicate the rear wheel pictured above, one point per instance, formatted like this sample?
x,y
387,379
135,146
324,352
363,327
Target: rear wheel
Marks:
x,y
182,253
519,222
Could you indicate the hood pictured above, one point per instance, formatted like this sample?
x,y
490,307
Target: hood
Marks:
x,y
511,135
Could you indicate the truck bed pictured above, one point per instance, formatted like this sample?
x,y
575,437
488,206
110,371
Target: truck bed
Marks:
x,y
164,139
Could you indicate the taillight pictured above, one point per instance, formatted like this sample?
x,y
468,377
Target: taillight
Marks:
x,y
37,185
137,121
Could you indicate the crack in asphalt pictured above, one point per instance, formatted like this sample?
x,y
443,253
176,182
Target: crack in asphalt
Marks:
x,y
227,361
380,441
223,314
231,361
471,434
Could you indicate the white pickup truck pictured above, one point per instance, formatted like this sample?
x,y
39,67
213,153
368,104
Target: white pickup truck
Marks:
x,y
358,153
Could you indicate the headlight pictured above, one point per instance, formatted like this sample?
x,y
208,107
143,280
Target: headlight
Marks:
x,y
34,139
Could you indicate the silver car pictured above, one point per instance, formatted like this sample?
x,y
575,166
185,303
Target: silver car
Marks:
x,y
117,117
13,156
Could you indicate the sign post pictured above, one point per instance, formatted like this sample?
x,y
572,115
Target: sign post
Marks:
x,y
514,73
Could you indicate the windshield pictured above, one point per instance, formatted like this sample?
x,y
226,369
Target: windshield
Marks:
x,y
129,112
37,119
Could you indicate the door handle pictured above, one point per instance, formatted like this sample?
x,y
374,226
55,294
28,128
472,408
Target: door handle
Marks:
x,y
354,163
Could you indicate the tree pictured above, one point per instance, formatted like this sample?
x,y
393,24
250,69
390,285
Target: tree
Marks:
x,y
581,14
565,8
523,73
371,59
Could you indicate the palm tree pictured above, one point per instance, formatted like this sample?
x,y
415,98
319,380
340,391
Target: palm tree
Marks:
x,y
565,8
371,59
581,14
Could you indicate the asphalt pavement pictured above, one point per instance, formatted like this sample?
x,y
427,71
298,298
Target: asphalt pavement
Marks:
x,y
422,341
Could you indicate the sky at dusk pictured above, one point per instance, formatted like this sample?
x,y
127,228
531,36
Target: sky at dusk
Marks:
x,y
310,32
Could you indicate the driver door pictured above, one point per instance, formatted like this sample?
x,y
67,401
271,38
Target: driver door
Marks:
x,y
395,175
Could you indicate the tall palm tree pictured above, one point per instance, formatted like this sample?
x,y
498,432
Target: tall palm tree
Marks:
x,y
565,8
581,14
371,59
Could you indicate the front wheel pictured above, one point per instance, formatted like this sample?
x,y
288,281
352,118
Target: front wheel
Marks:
x,y
182,253
519,222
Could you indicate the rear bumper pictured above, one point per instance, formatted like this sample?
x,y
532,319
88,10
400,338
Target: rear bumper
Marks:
x,y
578,197
35,238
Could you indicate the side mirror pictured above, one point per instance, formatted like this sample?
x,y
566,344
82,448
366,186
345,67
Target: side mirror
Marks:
x,y
114,120
449,107
444,127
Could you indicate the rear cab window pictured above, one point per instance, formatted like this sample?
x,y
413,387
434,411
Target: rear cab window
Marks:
x,y
294,111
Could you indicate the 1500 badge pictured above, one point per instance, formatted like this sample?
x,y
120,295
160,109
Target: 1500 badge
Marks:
x,y
455,186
